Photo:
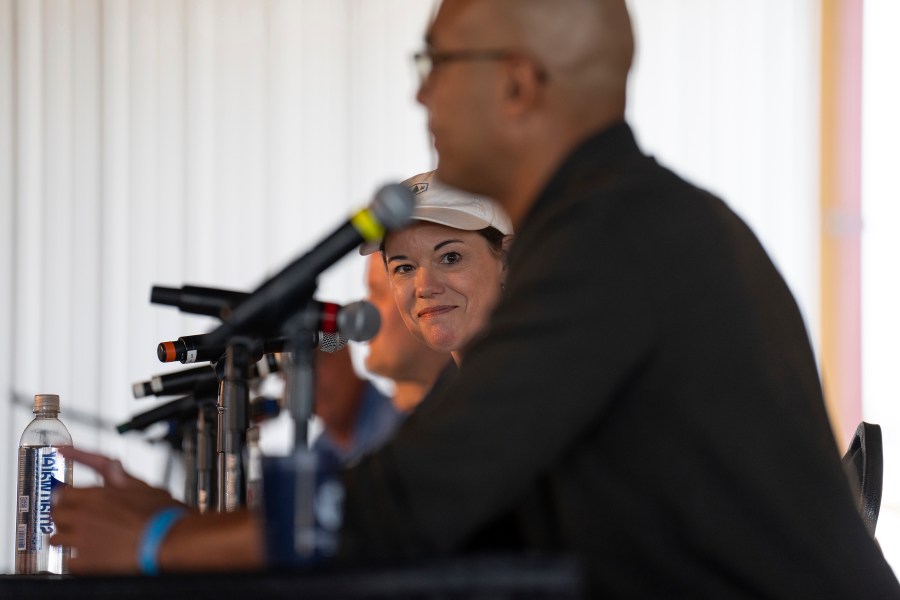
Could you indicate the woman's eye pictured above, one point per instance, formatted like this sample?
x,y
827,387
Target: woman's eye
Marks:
x,y
451,258
402,269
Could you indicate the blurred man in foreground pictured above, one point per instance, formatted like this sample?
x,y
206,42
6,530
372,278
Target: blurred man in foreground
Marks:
x,y
646,398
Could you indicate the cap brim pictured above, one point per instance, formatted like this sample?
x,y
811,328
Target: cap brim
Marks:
x,y
367,248
450,217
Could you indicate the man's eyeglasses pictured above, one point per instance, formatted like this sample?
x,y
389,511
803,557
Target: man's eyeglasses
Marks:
x,y
427,60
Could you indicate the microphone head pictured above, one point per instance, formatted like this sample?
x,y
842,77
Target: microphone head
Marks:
x,y
359,321
165,295
393,205
331,342
166,352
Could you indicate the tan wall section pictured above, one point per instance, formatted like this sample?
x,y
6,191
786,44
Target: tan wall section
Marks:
x,y
840,203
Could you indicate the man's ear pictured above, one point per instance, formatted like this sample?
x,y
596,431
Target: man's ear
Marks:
x,y
523,85
505,245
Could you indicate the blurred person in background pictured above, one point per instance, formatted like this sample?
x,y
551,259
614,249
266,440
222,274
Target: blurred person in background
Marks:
x,y
395,353
357,417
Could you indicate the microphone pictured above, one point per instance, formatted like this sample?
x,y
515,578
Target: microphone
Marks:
x,y
199,380
180,409
198,300
196,348
276,299
332,324
358,321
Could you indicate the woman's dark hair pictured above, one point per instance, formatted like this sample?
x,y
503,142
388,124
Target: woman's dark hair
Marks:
x,y
494,239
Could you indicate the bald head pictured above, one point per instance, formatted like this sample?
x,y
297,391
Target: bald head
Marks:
x,y
586,47
536,78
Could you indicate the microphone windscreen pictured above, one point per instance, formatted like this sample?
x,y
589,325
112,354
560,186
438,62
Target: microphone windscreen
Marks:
x,y
331,342
359,321
393,205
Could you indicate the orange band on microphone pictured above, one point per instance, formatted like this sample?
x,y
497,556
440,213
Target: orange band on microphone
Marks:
x,y
169,348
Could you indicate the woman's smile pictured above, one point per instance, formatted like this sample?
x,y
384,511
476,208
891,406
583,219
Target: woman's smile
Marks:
x,y
435,311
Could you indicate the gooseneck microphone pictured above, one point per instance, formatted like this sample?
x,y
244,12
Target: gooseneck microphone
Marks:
x,y
278,298
193,348
180,408
184,408
331,325
198,300
200,380
197,380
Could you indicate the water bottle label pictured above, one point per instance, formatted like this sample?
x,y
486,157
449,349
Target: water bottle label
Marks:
x,y
41,471
21,537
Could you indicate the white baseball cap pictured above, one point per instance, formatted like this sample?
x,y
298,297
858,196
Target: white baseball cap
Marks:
x,y
439,203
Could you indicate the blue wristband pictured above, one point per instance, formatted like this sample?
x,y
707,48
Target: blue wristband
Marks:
x,y
154,533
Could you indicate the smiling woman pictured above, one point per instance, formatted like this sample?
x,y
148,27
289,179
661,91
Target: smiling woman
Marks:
x,y
447,269
445,282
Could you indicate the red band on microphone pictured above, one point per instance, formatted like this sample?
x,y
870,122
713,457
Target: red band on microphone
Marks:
x,y
329,317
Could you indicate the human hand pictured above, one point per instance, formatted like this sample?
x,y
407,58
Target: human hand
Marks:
x,y
110,469
104,525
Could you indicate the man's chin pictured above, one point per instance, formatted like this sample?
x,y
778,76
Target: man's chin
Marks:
x,y
454,177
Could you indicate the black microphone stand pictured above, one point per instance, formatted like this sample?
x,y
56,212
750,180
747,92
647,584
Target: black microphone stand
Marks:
x,y
300,377
200,485
188,431
206,444
233,422
289,482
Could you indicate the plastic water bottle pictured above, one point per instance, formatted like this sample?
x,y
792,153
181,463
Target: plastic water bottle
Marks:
x,y
41,469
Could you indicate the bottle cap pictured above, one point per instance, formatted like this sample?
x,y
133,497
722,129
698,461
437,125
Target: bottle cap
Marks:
x,y
46,402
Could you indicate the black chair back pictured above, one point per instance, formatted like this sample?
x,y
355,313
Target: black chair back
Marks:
x,y
864,463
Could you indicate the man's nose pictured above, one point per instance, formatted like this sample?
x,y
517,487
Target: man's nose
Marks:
x,y
422,92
